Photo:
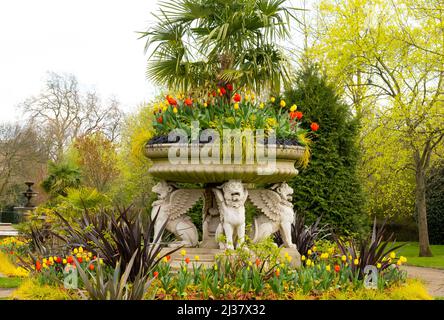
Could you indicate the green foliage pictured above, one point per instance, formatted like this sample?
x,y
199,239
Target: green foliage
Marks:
x,y
115,234
10,282
435,204
115,286
61,176
197,42
329,186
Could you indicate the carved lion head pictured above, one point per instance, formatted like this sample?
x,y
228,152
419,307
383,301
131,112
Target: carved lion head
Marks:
x,y
284,190
163,189
234,193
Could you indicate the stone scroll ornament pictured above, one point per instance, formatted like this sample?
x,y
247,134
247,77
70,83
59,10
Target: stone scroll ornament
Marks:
x,y
277,213
171,208
230,199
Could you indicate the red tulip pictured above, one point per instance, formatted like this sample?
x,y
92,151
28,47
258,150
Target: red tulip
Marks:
x,y
298,115
188,101
59,260
168,258
187,260
70,259
237,97
160,119
155,274
229,86
91,267
223,91
80,259
314,126
38,266
171,101
258,262
337,268
213,93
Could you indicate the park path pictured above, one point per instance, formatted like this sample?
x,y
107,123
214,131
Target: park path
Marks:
x,y
432,278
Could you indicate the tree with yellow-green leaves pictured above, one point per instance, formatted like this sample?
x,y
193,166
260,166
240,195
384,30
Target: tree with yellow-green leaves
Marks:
x,y
387,58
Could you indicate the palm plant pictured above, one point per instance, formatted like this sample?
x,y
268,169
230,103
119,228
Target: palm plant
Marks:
x,y
61,176
196,43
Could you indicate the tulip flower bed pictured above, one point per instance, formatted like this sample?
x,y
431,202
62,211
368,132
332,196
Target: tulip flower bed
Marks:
x,y
259,272
236,276
226,108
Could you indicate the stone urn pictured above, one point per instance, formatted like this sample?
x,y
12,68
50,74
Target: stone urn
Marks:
x,y
224,193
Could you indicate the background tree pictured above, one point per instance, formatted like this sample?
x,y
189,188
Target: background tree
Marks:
x,y
198,43
22,158
391,52
329,186
63,112
435,203
97,160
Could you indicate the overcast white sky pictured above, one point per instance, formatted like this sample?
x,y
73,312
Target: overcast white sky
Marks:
x,y
93,39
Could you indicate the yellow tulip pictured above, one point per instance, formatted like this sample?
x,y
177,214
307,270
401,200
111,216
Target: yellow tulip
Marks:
x,y
183,252
197,258
64,261
327,268
308,262
175,110
75,251
80,249
378,265
403,259
303,258
282,103
236,106
205,104
344,258
356,262
309,252
272,99
261,105
314,248
393,255
293,108
215,267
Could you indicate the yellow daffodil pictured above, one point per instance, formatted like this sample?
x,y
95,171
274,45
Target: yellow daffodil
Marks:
x,y
308,262
64,261
314,248
205,104
75,251
327,268
51,259
101,261
261,105
309,252
175,110
183,252
378,265
403,259
80,249
303,258
293,108
197,258
344,258
45,260
78,255
393,255
236,106
215,267
356,262
90,254
164,108
282,103
165,259
272,99
399,262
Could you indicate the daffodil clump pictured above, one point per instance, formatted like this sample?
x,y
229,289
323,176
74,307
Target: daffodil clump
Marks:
x,y
227,108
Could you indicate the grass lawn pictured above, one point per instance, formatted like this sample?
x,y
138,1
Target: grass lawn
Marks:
x,y
7,283
411,250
